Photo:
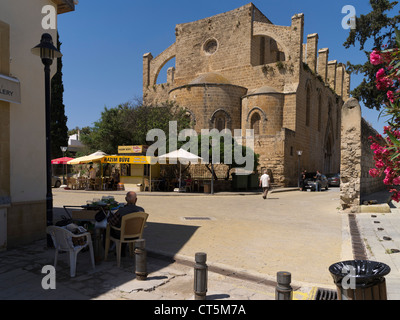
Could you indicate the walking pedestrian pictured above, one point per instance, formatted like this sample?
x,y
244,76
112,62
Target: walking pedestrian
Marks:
x,y
264,183
318,181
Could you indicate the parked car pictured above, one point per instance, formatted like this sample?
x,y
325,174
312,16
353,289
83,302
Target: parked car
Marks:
x,y
310,182
333,179
55,182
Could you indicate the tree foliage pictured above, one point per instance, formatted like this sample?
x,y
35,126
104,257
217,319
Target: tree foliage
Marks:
x,y
129,123
222,148
58,124
379,27
387,151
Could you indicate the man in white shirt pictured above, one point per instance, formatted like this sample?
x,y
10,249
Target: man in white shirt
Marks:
x,y
264,183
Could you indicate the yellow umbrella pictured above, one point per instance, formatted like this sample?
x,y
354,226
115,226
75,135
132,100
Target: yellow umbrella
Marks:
x,y
94,157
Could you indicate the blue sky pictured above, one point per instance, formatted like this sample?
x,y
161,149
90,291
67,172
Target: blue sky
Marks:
x,y
103,43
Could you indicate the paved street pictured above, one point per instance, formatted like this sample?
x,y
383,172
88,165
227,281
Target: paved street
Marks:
x,y
247,241
299,232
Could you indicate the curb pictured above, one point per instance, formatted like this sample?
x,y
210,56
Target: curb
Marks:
x,y
236,273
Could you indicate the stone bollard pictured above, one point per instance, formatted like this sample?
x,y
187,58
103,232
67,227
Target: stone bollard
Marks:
x,y
283,289
200,276
141,259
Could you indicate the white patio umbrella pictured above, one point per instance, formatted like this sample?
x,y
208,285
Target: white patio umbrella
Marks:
x,y
182,156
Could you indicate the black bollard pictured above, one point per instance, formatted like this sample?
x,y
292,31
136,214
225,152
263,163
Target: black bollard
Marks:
x,y
141,259
200,276
283,289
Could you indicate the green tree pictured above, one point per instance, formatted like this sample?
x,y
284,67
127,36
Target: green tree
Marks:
x,y
380,28
58,125
128,124
223,146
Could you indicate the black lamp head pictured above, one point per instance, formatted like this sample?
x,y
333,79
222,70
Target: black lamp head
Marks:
x,y
46,49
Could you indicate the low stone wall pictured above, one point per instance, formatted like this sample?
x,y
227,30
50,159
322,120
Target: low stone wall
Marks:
x,y
356,158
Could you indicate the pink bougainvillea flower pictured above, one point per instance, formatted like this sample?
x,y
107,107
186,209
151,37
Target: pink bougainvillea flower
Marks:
x,y
375,58
396,181
379,164
374,173
395,195
390,96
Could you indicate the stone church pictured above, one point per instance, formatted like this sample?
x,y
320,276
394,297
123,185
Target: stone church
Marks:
x,y
237,70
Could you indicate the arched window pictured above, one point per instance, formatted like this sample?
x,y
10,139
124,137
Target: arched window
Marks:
x,y
319,111
220,122
308,106
255,123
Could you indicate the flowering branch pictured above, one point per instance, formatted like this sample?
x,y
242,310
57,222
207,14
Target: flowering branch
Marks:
x,y
387,150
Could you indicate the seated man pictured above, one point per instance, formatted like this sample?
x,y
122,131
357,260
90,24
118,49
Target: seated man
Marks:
x,y
115,219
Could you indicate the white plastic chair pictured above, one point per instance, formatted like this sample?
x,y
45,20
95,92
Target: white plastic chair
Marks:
x,y
62,239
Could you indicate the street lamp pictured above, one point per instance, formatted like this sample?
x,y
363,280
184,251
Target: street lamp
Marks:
x,y
47,52
64,149
299,153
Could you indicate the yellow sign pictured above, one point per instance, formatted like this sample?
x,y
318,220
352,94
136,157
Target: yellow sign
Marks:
x,y
126,160
132,149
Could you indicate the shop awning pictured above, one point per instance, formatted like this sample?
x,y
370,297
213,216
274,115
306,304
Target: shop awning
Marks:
x,y
63,160
94,157
129,160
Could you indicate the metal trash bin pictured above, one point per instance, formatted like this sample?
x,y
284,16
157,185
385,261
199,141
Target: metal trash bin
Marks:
x,y
360,279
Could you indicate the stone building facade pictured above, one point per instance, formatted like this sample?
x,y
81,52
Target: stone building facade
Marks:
x,y
237,70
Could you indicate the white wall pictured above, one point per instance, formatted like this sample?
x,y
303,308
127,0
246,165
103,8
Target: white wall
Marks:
x,y
27,120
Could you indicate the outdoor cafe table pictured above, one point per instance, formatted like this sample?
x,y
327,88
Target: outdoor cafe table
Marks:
x,y
87,214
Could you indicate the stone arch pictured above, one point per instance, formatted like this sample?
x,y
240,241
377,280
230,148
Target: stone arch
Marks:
x,y
192,116
261,30
259,110
262,119
159,62
308,102
319,105
218,115
328,147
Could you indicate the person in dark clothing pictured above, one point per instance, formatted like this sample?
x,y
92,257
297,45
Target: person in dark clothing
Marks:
x,y
116,218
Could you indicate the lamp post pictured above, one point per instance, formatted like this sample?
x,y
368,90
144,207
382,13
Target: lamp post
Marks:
x,y
64,149
47,52
299,153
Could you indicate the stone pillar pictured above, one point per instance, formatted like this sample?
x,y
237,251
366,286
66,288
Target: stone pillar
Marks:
x,y
170,75
339,79
323,63
350,166
332,74
312,47
305,52
346,85
147,58
297,39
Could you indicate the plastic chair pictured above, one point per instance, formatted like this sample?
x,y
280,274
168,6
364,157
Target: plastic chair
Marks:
x,y
62,239
132,226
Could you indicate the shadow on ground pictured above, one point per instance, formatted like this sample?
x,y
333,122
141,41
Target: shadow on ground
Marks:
x,y
89,284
